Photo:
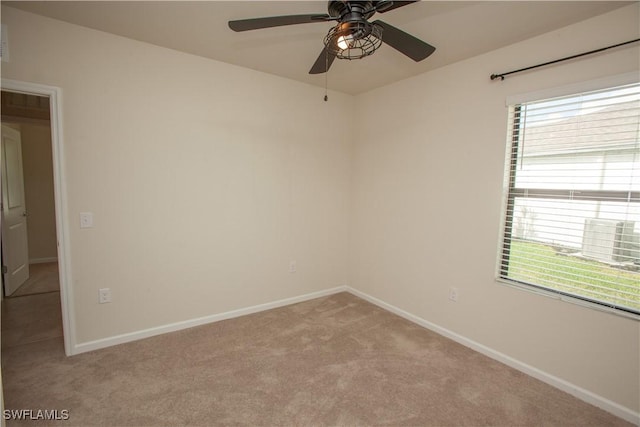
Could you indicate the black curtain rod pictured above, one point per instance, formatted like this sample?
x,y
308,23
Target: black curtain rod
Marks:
x,y
502,75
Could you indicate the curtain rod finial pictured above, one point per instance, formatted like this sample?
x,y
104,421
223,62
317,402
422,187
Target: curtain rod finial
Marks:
x,y
497,76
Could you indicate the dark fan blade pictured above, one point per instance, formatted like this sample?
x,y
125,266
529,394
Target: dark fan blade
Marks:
x,y
386,6
276,21
323,62
405,43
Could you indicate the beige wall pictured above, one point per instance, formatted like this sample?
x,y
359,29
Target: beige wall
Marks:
x,y
204,179
38,188
427,193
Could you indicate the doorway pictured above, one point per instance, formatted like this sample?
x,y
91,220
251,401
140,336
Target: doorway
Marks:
x,y
34,111
29,248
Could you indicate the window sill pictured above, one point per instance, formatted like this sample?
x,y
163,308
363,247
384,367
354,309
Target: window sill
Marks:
x,y
567,298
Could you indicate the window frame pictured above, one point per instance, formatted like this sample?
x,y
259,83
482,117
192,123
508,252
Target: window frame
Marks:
x,y
511,193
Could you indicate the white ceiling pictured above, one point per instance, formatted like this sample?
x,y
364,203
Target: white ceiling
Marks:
x,y
458,30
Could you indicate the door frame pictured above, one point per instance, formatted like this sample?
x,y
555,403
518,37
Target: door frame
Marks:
x,y
61,201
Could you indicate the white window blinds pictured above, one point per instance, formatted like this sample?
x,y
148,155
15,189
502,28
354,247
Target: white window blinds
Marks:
x,y
572,220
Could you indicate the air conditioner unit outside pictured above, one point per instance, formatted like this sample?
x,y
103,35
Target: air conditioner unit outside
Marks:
x,y
610,240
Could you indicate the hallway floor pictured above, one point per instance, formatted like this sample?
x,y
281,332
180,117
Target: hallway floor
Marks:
x,y
30,319
43,277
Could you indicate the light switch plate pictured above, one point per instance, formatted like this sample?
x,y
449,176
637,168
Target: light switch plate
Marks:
x,y
86,219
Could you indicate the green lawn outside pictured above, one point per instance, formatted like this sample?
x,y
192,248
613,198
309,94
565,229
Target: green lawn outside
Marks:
x,y
533,262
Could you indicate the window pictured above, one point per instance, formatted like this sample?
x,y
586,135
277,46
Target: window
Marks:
x,y
572,211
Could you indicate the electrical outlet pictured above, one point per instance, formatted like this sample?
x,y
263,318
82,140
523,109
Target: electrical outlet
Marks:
x,y
453,294
104,295
292,267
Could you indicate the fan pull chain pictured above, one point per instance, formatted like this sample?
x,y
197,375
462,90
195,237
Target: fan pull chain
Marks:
x,y
326,75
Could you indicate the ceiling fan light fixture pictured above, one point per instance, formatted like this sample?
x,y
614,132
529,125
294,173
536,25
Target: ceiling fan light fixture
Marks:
x,y
344,42
353,40
354,37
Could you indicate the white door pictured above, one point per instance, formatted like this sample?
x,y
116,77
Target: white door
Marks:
x,y
15,253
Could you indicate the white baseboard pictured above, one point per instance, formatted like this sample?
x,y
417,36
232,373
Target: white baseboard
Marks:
x,y
172,327
579,392
42,260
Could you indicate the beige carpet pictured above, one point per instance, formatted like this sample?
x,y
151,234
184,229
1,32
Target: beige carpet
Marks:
x,y
30,319
43,277
336,361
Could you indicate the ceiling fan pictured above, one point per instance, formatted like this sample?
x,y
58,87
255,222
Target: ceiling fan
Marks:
x,y
353,36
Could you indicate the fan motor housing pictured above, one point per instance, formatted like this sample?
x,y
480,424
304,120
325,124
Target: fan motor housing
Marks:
x,y
347,11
